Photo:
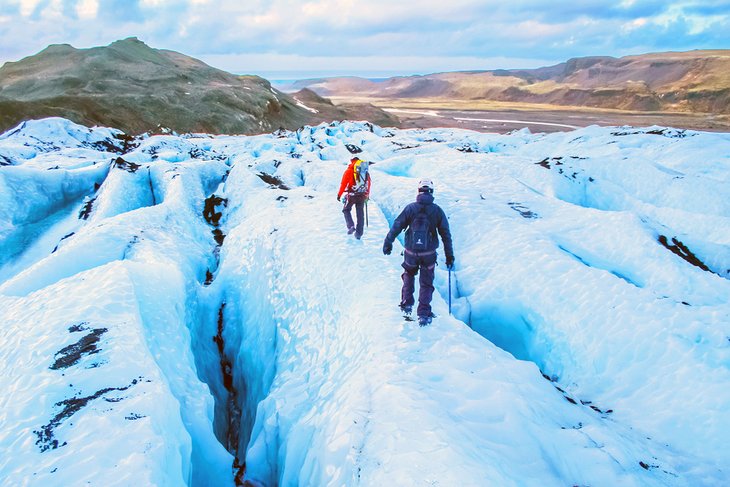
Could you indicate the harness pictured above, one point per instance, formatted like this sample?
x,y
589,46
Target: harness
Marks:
x,y
420,254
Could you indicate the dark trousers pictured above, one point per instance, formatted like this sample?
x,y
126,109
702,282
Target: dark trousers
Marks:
x,y
358,201
413,263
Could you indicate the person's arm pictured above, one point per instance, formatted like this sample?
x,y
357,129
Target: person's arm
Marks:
x,y
445,232
399,225
367,187
345,182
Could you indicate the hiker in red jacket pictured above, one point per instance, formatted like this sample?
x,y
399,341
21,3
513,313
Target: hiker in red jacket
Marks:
x,y
356,187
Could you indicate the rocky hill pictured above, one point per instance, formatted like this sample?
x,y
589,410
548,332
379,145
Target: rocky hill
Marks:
x,y
136,88
695,81
327,110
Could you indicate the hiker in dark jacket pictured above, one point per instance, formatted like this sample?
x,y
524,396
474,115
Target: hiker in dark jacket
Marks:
x,y
422,219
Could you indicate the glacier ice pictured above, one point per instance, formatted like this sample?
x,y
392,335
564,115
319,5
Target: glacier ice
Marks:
x,y
252,338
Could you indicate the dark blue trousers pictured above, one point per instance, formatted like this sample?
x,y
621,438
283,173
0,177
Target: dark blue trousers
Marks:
x,y
413,263
358,201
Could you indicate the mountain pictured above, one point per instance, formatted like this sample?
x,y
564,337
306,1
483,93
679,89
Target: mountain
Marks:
x,y
326,110
695,81
190,311
136,88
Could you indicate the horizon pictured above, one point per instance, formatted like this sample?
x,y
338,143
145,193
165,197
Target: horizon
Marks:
x,y
286,76
351,67
282,76
382,39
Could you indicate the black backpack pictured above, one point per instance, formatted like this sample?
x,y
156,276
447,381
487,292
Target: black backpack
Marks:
x,y
421,231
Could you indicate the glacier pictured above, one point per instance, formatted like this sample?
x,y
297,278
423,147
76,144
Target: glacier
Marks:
x,y
188,309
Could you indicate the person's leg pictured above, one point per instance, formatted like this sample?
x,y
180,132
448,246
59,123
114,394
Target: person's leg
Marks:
x,y
359,211
409,282
427,269
348,216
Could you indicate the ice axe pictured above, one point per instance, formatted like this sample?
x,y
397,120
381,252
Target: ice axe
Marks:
x,y
449,290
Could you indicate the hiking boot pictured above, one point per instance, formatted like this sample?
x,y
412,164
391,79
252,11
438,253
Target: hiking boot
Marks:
x,y
424,320
407,310
358,236
351,230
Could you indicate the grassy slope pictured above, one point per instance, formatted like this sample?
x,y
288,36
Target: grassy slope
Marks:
x,y
133,87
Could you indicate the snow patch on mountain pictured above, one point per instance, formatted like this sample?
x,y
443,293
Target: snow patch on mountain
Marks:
x,y
300,104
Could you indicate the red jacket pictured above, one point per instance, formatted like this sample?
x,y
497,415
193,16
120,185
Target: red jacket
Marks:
x,y
348,181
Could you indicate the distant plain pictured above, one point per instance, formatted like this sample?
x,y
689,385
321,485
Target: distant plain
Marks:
x,y
502,117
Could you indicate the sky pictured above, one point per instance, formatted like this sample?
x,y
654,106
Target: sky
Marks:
x,y
291,39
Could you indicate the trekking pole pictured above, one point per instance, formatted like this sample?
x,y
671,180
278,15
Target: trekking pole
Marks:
x,y
449,292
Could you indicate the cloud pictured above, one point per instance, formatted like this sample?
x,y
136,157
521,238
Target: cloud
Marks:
x,y
378,31
87,9
125,11
720,7
679,33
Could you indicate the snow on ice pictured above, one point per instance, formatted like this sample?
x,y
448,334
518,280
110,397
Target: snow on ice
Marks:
x,y
188,310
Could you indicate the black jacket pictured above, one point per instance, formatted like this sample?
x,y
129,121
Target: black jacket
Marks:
x,y
436,217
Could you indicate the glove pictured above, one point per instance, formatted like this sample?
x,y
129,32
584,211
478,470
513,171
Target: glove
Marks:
x,y
338,198
450,263
387,248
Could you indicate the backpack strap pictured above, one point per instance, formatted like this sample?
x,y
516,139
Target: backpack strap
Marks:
x,y
429,216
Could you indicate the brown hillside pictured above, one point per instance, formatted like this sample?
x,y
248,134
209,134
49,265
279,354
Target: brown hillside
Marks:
x,y
695,81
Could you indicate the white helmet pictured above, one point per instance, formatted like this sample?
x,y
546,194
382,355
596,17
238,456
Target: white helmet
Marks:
x,y
425,186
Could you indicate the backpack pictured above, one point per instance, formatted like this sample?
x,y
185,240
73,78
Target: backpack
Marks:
x,y
421,231
361,176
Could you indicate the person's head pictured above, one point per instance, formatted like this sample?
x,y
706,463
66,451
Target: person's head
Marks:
x,y
425,186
